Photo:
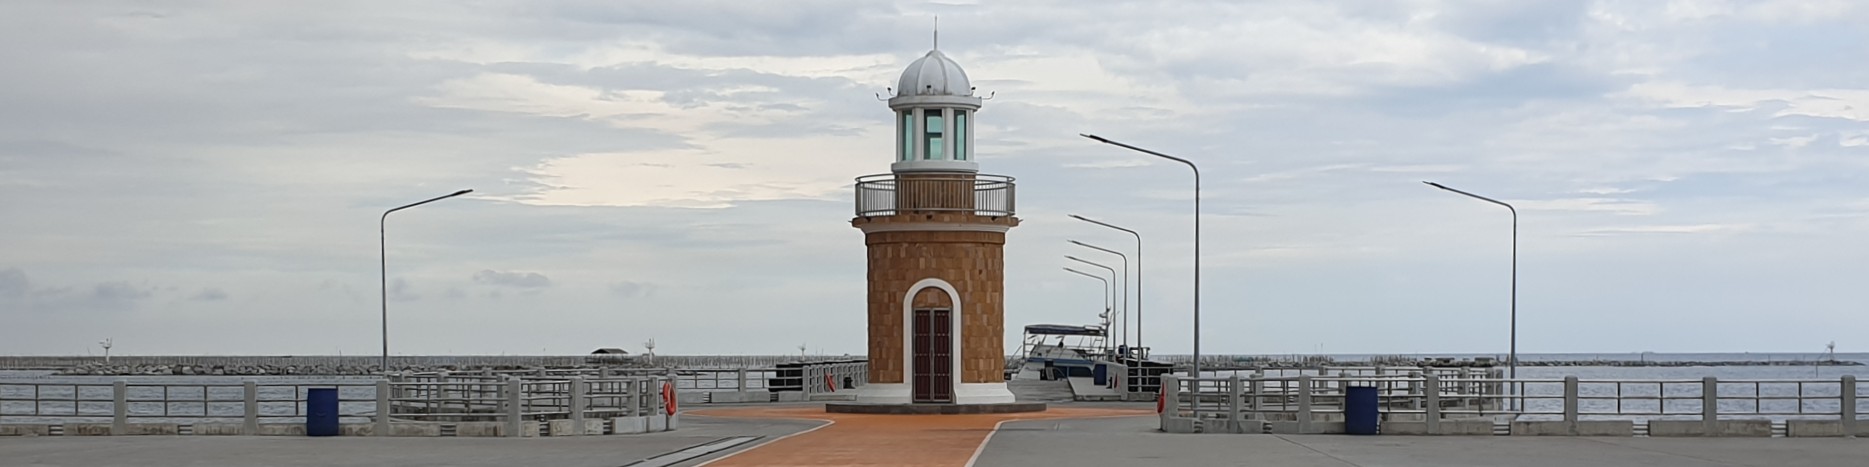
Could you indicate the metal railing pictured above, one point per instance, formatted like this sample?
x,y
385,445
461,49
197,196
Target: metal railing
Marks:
x,y
515,401
233,365
1435,396
891,194
808,377
509,398
131,401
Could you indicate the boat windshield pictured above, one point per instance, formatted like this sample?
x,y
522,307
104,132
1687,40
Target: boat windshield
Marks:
x,y
1073,341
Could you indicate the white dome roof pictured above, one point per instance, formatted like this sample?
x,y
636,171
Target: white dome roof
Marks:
x,y
934,75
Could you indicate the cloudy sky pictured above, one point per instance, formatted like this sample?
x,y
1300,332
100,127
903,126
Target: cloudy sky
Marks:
x,y
204,177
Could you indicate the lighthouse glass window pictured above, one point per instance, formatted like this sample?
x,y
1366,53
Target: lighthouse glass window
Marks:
x,y
908,136
960,135
933,149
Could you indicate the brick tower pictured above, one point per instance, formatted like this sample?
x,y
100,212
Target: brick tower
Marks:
x,y
936,229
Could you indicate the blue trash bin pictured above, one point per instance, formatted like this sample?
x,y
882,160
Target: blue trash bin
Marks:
x,y
321,412
1100,374
1360,416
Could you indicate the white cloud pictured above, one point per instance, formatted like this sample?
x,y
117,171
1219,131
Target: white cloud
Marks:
x,y
1850,104
1606,190
702,147
1108,164
524,280
1666,229
210,294
1606,205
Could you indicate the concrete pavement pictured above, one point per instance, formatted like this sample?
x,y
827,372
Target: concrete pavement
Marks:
x,y
1133,441
230,451
1124,441
880,439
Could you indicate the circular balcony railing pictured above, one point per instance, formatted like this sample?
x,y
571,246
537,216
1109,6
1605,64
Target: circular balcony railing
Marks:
x,y
891,194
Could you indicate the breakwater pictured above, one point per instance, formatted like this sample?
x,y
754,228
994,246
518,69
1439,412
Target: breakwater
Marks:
x,y
349,365
1672,363
1317,361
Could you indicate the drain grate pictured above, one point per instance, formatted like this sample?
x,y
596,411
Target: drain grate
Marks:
x,y
692,452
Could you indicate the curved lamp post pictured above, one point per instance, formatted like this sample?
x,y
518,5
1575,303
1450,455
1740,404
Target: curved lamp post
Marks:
x,y
1106,291
383,249
1125,287
1512,359
1112,291
1197,239
1138,275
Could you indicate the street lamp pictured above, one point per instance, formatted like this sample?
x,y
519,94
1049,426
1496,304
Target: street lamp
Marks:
x,y
1106,292
1124,287
1112,281
1512,359
1139,282
383,249
1197,239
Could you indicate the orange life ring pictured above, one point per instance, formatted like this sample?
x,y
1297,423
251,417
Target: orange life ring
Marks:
x,y
668,394
829,383
1161,401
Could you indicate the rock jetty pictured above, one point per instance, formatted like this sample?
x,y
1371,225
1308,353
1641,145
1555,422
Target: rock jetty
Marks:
x,y
100,369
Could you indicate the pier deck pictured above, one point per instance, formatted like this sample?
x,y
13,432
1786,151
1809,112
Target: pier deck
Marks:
x,y
1122,441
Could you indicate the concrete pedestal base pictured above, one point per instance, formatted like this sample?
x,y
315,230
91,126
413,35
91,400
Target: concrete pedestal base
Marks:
x,y
964,394
935,409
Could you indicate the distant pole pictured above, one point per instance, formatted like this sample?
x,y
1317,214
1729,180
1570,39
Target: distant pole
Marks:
x,y
1512,359
382,244
1125,287
1106,295
1113,277
1197,239
1139,282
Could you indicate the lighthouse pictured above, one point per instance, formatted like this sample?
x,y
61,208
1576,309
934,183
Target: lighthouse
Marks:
x,y
935,229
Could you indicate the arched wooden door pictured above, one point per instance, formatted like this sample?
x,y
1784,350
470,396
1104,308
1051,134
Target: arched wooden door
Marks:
x,y
932,332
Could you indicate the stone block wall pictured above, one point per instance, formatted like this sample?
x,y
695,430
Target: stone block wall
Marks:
x,y
966,251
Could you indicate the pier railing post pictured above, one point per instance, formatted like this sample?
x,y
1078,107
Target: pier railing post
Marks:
x,y
384,408
1257,389
437,397
1570,403
1710,405
739,383
250,408
1414,389
1234,416
631,387
577,405
1304,404
515,407
1431,395
1171,398
119,407
1848,388
652,395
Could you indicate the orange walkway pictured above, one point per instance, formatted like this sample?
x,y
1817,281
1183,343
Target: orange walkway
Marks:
x,y
861,439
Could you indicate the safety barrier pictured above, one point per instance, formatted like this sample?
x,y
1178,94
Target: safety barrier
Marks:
x,y
1431,403
553,402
